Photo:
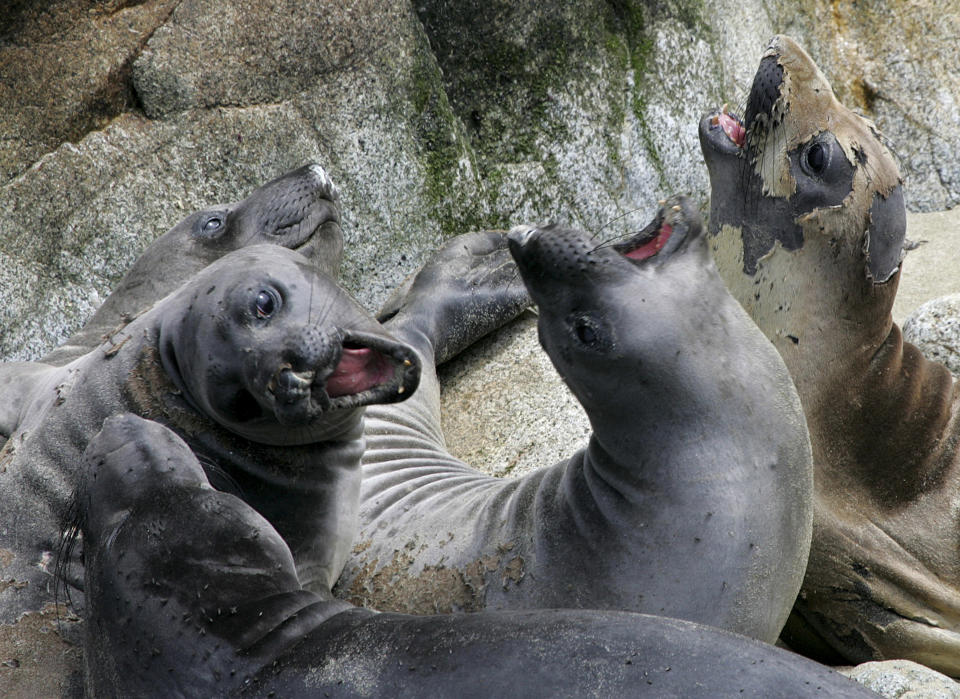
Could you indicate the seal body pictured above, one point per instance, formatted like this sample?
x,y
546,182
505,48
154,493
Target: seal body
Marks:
x,y
261,363
681,504
299,210
192,592
807,226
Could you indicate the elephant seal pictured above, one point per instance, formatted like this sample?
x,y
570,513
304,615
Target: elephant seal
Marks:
x,y
298,210
191,592
808,223
260,362
692,498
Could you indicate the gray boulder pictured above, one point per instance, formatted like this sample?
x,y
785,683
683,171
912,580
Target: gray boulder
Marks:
x,y
434,118
118,117
934,327
903,679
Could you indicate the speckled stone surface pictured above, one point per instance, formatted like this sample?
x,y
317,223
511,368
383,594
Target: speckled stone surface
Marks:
x,y
903,679
934,327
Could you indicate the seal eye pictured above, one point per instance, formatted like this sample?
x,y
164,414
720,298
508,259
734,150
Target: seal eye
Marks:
x,y
816,157
212,224
586,334
266,303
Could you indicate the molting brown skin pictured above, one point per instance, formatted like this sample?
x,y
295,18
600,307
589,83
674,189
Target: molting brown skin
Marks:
x,y
658,513
260,362
193,593
298,210
807,224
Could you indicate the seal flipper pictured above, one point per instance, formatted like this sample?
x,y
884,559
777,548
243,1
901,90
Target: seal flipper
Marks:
x,y
18,380
468,289
191,593
187,588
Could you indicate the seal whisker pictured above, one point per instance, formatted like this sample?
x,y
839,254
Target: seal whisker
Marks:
x,y
68,541
614,220
610,241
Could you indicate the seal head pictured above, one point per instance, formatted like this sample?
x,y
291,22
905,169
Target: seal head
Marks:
x,y
802,189
299,210
281,344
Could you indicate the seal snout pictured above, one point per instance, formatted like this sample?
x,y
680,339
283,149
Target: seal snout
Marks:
x,y
764,92
521,235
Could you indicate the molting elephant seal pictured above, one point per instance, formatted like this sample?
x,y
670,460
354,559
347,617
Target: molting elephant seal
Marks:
x,y
693,496
807,226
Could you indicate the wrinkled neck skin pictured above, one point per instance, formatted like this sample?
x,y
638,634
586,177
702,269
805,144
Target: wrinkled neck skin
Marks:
x,y
855,375
309,490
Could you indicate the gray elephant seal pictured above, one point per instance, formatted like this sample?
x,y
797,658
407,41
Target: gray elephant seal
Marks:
x,y
693,497
807,225
261,363
298,210
192,593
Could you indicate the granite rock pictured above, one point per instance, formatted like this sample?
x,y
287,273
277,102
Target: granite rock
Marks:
x,y
903,679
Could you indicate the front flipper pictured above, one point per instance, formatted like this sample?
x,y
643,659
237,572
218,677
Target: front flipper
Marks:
x,y
469,288
17,383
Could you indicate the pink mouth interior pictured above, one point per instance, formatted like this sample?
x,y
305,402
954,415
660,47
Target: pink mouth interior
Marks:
x,y
652,247
359,370
733,128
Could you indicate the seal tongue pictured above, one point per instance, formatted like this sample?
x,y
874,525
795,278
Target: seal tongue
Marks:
x,y
653,246
359,369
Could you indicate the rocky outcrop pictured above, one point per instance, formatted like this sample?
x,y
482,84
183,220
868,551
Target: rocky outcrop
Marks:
x,y
903,679
935,328
119,117
435,118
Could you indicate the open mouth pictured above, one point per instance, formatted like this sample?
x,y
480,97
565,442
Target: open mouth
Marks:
x,y
666,232
647,242
368,370
724,130
359,369
732,126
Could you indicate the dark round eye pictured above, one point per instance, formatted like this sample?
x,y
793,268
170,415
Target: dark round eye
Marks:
x,y
212,224
266,304
586,333
816,158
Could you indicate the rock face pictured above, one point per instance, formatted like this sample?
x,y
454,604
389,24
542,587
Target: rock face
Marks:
x,y
903,679
119,116
935,328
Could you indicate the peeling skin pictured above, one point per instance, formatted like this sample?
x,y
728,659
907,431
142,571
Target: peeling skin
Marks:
x,y
883,579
